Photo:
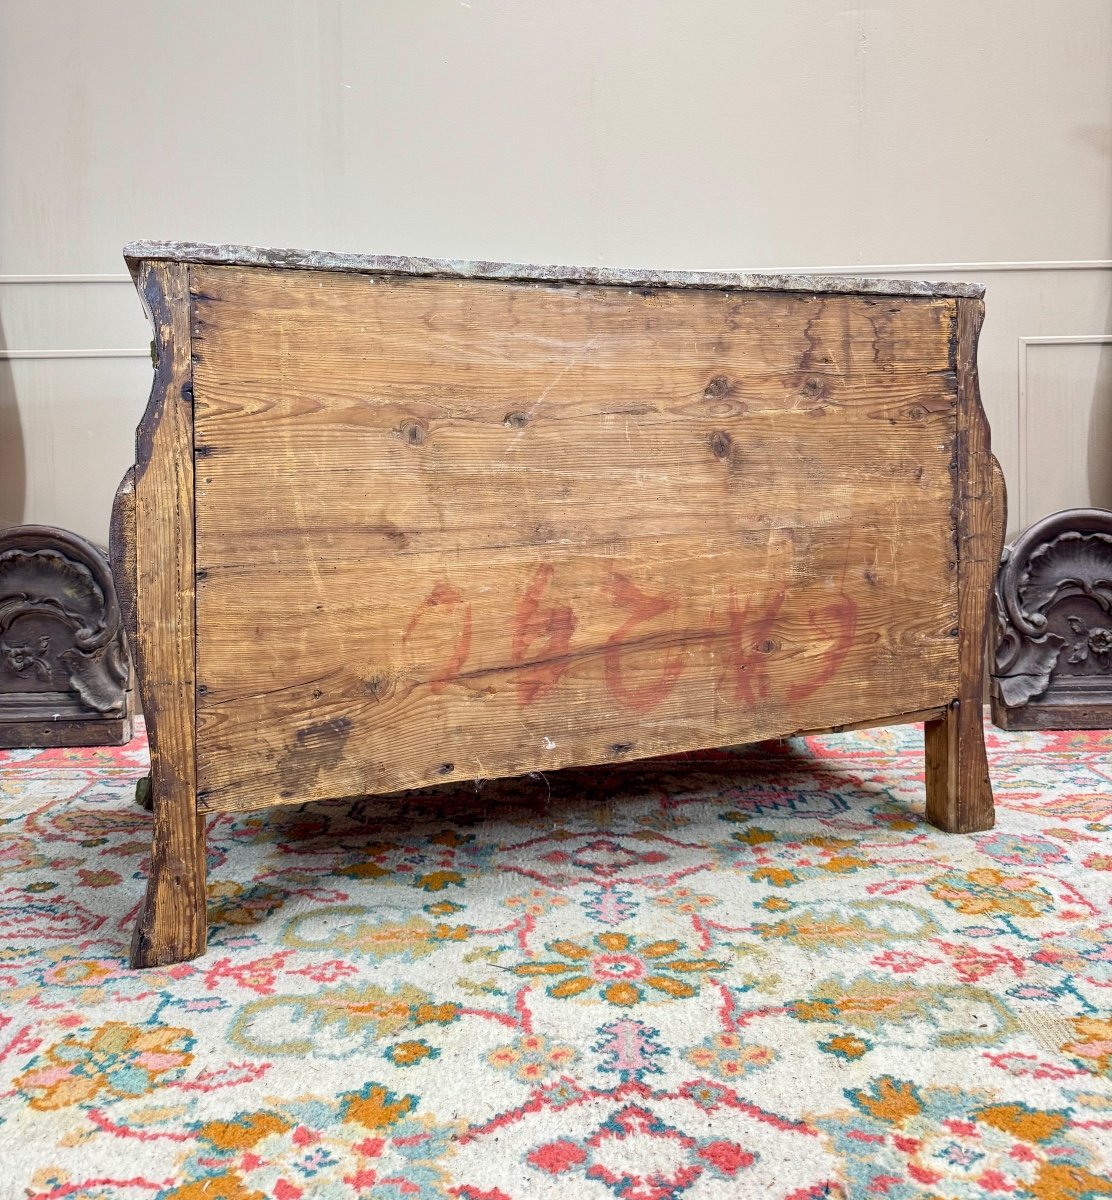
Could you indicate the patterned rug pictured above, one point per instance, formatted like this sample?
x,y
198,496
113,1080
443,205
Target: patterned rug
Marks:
x,y
741,973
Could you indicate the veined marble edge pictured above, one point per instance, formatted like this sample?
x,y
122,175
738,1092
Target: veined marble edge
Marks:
x,y
371,264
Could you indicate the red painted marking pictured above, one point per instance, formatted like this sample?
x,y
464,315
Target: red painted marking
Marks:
x,y
747,635
531,623
624,593
443,596
837,622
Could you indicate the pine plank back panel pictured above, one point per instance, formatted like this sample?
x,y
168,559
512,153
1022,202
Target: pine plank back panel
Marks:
x,y
450,531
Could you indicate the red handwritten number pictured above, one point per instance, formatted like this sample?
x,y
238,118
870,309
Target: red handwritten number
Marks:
x,y
626,594
447,598
748,654
532,623
542,638
837,622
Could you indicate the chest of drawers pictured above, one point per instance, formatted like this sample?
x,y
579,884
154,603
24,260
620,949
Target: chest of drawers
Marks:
x,y
394,522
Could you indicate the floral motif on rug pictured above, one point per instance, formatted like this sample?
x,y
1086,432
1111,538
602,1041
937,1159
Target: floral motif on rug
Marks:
x,y
749,972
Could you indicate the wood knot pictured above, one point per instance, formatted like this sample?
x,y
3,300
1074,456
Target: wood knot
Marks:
x,y
813,387
718,387
445,768
413,432
721,443
516,420
917,412
768,646
380,686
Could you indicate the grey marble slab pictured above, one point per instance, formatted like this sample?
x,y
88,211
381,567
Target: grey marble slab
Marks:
x,y
375,264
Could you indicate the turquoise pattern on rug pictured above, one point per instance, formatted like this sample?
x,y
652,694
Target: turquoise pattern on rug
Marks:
x,y
753,972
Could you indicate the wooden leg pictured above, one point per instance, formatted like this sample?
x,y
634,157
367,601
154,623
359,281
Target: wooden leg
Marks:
x,y
959,794
173,921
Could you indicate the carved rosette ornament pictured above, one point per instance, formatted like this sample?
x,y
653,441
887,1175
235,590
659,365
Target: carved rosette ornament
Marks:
x,y
65,677
1052,667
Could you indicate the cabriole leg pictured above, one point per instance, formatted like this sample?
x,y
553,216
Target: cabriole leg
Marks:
x,y
152,547
959,794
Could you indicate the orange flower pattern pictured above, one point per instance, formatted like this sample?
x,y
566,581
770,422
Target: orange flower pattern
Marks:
x,y
622,972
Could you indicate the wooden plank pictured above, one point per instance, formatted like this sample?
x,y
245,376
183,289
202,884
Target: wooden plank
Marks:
x,y
437,666
153,561
448,531
293,628
959,792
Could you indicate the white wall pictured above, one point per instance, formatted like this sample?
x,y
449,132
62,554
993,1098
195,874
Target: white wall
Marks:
x,y
958,138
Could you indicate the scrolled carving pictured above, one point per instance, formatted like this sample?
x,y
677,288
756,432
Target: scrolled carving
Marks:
x,y
64,669
1052,666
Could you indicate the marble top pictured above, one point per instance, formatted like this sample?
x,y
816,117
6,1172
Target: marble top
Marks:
x,y
378,264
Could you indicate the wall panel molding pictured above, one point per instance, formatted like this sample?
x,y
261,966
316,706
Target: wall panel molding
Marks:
x,y
120,277
1024,410
979,268
25,355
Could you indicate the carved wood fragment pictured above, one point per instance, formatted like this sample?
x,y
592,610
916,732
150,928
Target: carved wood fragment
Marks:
x,y
1052,666
65,678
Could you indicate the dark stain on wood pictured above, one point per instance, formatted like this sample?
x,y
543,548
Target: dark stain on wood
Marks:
x,y
316,748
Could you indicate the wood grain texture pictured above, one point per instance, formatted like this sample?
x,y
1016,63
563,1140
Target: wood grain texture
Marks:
x,y
959,792
453,529
153,558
